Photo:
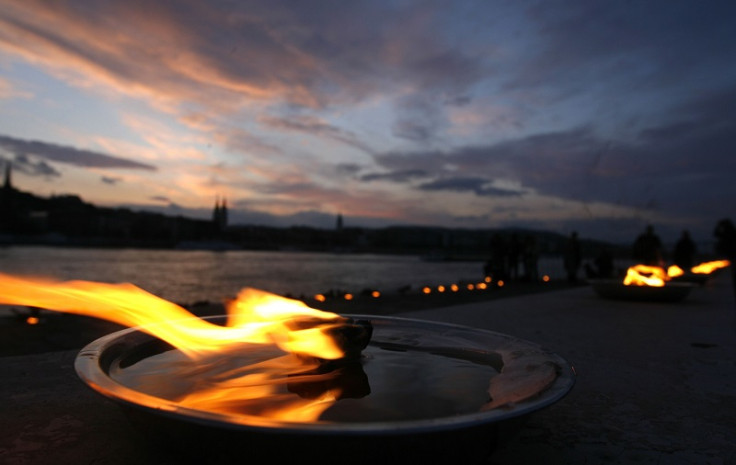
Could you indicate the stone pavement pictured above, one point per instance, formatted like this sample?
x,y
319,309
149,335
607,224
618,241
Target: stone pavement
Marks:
x,y
656,385
656,382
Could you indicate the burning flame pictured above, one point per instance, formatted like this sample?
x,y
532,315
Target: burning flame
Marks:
x,y
255,317
645,275
257,388
709,267
674,271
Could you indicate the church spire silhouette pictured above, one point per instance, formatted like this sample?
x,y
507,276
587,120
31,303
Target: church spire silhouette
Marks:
x,y
8,183
219,214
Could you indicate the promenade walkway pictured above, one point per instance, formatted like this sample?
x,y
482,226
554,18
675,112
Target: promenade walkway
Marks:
x,y
656,385
656,382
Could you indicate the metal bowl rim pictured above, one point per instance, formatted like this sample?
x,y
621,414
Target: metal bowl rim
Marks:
x,y
89,367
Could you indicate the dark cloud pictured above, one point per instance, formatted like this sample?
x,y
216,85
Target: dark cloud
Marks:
x,y
288,187
348,169
448,70
479,186
539,161
110,180
419,119
624,46
400,176
315,127
682,168
161,198
459,101
413,129
30,167
68,155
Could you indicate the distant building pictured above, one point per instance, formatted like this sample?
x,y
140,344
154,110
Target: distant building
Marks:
x,y
338,225
7,210
8,185
219,214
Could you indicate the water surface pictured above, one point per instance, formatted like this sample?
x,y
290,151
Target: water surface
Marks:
x,y
191,276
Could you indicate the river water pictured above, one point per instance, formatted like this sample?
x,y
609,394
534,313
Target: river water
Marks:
x,y
191,276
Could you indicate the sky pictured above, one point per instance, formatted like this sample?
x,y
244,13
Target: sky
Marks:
x,y
581,115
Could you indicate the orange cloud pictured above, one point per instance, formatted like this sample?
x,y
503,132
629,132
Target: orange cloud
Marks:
x,y
165,56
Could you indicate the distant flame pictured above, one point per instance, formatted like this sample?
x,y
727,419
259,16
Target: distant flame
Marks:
x,y
709,267
674,271
645,275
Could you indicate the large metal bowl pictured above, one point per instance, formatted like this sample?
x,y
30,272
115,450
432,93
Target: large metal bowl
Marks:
x,y
212,437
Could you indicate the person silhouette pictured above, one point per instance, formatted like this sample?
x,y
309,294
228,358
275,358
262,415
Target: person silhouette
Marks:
x,y
572,257
530,259
725,234
648,248
604,263
684,253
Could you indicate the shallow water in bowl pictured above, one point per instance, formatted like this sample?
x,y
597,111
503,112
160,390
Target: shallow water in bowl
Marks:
x,y
388,383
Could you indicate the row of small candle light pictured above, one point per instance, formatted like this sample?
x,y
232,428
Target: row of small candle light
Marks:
x,y
638,274
487,283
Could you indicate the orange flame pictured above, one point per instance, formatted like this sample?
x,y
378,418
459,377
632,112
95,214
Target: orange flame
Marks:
x,y
645,275
255,317
256,388
709,267
674,271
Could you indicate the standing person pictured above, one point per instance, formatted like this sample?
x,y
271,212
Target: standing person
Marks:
x,y
530,258
513,254
496,265
572,258
725,234
648,248
604,263
684,253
